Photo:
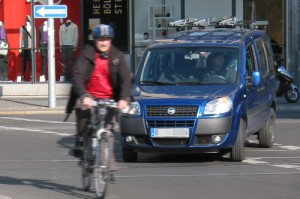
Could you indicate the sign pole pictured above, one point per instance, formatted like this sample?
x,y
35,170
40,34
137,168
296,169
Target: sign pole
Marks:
x,y
51,62
51,11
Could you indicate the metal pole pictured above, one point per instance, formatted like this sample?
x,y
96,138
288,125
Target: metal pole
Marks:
x,y
133,53
51,62
33,44
233,9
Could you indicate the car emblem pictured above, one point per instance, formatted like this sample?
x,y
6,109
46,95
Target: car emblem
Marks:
x,y
171,111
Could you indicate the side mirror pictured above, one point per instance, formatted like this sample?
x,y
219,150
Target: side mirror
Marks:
x,y
255,78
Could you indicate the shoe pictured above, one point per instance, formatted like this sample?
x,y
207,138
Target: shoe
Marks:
x,y
77,150
112,179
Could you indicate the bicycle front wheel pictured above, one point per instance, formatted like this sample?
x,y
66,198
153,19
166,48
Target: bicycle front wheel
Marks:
x,y
101,166
86,164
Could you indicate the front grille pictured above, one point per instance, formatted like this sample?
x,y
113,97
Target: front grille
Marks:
x,y
180,111
167,123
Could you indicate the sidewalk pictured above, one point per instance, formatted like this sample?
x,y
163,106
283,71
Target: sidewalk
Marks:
x,y
284,106
30,105
40,105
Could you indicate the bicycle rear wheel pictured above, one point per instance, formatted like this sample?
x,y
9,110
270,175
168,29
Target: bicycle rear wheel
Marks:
x,y
101,166
86,165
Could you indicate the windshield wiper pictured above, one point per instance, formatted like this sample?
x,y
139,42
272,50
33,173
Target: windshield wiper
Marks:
x,y
156,83
189,83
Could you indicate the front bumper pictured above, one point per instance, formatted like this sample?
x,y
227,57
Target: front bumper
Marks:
x,y
201,133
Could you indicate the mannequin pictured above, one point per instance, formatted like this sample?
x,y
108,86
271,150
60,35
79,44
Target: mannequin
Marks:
x,y
68,39
43,45
3,55
25,41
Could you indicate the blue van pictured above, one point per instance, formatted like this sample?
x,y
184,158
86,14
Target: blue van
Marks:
x,y
202,91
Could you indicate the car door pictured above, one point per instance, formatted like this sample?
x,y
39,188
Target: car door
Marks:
x,y
254,96
265,60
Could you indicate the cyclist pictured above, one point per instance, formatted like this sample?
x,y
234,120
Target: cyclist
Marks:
x,y
100,72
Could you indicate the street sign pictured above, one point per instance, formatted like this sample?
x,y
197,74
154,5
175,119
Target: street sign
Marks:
x,y
53,11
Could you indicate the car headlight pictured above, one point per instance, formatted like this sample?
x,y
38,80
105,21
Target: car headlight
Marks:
x,y
218,106
135,109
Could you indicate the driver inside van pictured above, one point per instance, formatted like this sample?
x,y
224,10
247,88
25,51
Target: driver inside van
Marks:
x,y
216,67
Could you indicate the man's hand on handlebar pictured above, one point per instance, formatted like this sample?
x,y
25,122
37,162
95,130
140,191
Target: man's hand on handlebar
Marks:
x,y
87,102
122,104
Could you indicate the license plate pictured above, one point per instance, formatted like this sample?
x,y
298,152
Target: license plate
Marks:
x,y
170,133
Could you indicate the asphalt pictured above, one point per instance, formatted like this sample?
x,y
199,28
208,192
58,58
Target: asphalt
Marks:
x,y
40,105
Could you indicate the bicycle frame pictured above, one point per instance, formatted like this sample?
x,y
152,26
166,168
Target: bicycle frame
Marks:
x,y
96,156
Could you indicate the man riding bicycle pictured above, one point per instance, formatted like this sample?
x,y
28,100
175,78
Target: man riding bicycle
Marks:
x,y
100,72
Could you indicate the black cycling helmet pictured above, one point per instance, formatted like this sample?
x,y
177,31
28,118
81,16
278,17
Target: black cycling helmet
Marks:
x,y
103,31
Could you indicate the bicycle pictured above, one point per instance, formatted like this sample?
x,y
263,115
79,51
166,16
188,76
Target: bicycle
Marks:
x,y
96,150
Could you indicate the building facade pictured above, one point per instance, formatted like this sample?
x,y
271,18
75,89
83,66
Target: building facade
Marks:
x,y
137,23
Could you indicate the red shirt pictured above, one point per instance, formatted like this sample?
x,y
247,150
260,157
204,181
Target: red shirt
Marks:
x,y
99,84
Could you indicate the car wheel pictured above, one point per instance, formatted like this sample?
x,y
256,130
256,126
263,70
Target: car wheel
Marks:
x,y
129,155
266,135
237,151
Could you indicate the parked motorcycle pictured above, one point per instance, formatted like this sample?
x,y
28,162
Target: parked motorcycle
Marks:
x,y
287,86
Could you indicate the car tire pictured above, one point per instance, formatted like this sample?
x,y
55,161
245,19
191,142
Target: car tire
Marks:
x,y
237,153
129,155
266,135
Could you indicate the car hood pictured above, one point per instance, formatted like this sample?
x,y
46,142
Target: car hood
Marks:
x,y
185,92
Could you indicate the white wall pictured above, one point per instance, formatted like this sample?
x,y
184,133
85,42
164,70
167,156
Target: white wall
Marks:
x,y
239,9
208,8
142,11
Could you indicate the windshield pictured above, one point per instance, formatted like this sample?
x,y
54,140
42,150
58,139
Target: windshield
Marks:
x,y
190,65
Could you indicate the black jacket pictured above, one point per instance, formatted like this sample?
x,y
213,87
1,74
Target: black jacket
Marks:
x,y
119,74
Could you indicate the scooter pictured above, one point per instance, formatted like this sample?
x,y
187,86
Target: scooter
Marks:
x,y
287,86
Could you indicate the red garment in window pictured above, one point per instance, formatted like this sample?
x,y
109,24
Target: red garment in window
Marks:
x,y
99,84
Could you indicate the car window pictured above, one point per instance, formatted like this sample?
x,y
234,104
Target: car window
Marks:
x,y
269,54
262,56
250,60
188,65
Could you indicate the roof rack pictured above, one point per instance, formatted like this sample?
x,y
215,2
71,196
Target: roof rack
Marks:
x,y
224,22
230,22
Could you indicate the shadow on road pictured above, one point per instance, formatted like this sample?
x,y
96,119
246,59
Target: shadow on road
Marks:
x,y
45,184
181,158
66,142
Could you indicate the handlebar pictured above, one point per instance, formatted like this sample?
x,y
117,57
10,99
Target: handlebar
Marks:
x,y
109,103
106,103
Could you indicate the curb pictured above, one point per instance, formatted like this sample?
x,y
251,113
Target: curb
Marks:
x,y
288,108
45,112
19,110
4,197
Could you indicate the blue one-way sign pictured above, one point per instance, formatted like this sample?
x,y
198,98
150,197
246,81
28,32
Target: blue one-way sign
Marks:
x,y
53,11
